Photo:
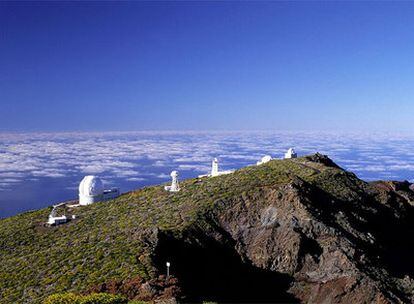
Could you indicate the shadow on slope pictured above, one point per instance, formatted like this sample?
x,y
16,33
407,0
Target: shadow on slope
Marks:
x,y
215,272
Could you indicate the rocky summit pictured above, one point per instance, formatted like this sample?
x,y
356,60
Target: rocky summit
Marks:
x,y
291,231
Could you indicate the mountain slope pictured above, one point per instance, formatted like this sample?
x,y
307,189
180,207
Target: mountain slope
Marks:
x,y
299,230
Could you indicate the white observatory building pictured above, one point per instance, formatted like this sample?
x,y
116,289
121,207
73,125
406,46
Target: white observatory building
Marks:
x,y
264,159
174,183
91,190
291,153
215,169
54,219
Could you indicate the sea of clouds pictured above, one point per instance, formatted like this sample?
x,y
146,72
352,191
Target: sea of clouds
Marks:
x,y
39,169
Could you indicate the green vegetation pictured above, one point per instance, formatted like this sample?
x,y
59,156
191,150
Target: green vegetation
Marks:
x,y
104,242
95,298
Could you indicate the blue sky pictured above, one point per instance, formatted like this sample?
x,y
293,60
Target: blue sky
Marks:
x,y
206,66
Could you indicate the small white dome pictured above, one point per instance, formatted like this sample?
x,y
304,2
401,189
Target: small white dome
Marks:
x,y
174,173
290,153
266,158
91,186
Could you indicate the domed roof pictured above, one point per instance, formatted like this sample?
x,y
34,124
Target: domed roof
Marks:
x,y
266,158
174,173
91,186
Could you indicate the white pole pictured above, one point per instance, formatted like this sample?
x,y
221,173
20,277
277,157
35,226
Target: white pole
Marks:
x,y
168,269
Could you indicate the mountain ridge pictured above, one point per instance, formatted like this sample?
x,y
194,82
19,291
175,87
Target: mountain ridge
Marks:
x,y
297,230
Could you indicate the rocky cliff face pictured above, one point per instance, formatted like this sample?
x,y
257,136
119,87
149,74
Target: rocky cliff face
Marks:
x,y
300,230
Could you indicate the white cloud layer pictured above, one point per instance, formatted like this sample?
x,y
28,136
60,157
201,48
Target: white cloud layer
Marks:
x,y
139,156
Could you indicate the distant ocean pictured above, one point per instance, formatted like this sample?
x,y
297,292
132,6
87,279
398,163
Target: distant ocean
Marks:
x,y
40,169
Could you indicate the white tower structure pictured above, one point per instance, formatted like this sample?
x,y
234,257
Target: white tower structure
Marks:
x,y
215,170
174,183
291,153
91,190
264,159
214,167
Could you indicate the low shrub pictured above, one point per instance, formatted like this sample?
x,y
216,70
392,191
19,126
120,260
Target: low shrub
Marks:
x,y
95,298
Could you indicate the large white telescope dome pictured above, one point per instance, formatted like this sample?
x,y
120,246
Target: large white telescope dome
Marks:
x,y
91,190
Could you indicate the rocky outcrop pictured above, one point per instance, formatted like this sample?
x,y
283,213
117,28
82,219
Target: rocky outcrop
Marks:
x,y
291,235
160,290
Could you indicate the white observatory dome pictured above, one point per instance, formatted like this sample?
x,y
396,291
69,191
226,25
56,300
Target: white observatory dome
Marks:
x,y
266,159
290,153
91,190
